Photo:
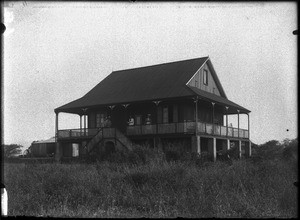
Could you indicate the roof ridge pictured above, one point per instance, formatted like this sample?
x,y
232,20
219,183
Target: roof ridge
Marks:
x,y
159,64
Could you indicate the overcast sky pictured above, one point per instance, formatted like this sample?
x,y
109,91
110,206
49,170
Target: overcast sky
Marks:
x,y
55,53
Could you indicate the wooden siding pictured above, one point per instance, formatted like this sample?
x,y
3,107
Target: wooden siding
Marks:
x,y
42,149
188,112
119,117
205,113
176,111
92,120
141,110
92,116
197,81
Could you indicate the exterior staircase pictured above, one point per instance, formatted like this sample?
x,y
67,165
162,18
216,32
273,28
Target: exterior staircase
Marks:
x,y
94,141
125,141
108,133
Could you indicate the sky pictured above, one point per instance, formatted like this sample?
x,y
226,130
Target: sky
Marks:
x,y
55,52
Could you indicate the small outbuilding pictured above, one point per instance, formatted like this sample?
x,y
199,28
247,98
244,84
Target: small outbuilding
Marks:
x,y
43,148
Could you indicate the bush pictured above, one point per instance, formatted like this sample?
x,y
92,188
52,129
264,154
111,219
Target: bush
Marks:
x,y
140,154
153,187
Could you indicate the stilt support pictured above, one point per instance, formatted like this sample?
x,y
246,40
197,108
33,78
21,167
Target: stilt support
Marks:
x,y
58,152
240,149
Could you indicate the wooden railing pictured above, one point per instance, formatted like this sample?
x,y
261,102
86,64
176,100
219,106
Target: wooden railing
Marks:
x,y
123,139
95,140
77,133
186,127
84,133
169,128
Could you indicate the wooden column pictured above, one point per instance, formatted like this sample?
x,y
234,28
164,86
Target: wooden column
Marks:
x,y
213,117
238,123
196,115
228,144
248,126
249,149
214,149
126,116
249,142
226,121
84,118
58,150
80,124
240,149
196,125
56,126
156,103
198,145
111,108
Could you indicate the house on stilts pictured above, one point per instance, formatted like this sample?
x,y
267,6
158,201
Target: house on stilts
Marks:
x,y
180,101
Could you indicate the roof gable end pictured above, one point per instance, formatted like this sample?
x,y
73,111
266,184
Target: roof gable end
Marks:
x,y
205,78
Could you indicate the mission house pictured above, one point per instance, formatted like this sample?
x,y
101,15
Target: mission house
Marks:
x,y
178,102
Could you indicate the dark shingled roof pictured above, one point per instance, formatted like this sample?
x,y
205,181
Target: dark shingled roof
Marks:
x,y
157,82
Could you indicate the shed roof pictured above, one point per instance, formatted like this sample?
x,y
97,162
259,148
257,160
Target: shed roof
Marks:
x,y
157,82
50,140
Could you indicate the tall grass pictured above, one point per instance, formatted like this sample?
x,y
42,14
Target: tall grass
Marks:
x,y
147,185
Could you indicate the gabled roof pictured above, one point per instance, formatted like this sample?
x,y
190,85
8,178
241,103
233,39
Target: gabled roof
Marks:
x,y
157,82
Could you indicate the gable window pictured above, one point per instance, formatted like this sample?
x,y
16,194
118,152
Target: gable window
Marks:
x,y
205,77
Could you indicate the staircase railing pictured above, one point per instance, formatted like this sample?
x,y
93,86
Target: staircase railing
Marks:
x,y
125,141
95,140
108,133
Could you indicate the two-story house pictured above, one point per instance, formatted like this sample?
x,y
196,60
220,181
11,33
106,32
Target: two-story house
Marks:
x,y
180,101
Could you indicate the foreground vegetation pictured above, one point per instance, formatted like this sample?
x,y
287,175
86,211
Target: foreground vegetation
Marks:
x,y
148,184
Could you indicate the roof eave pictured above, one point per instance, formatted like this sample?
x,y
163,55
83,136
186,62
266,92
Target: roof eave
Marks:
x,y
231,106
78,109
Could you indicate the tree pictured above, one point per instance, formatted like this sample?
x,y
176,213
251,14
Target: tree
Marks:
x,y
11,150
272,143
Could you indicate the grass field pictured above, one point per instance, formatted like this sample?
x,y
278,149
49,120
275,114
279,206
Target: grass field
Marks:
x,y
261,186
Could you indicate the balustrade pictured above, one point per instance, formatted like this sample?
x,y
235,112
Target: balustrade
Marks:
x,y
167,128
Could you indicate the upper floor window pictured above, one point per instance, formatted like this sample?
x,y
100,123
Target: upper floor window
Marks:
x,y
100,118
165,114
205,77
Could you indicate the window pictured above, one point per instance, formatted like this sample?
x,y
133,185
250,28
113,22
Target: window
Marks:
x,y
138,119
165,114
100,118
175,113
205,77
